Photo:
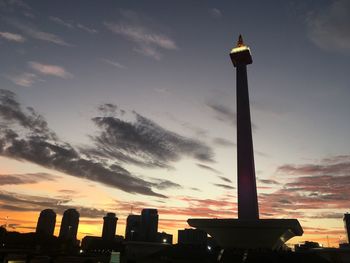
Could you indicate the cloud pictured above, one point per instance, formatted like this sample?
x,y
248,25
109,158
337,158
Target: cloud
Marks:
x,y
224,142
10,4
24,79
313,187
329,28
32,32
190,207
114,63
25,135
12,37
20,202
61,22
51,70
267,181
30,178
225,186
206,167
215,13
143,142
223,113
72,25
87,29
148,42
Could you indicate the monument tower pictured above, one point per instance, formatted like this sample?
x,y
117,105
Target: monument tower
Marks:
x,y
248,231
247,196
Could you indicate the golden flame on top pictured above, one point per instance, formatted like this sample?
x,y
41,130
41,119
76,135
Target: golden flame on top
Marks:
x,y
240,42
240,45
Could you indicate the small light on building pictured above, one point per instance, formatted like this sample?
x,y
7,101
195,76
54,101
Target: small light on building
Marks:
x,y
81,251
209,248
164,240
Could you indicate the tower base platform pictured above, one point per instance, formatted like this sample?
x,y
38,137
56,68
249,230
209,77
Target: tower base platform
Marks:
x,y
249,234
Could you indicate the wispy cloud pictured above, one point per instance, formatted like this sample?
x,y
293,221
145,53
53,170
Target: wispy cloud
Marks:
x,y
216,13
329,28
30,178
10,4
25,135
52,70
207,167
148,42
222,112
114,63
72,25
32,32
61,22
314,189
24,79
12,37
87,29
224,142
143,142
20,202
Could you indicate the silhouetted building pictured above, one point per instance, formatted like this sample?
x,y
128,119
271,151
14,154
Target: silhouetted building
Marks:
x,y
149,225
132,230
346,220
306,246
109,226
164,238
46,222
190,236
69,224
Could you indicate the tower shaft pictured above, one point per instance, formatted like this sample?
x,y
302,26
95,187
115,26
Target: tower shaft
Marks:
x,y
247,195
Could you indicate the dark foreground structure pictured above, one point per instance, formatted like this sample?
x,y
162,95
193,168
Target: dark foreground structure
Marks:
x,y
248,231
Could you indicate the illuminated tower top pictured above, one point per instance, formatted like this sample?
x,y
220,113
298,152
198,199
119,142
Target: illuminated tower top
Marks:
x,y
240,55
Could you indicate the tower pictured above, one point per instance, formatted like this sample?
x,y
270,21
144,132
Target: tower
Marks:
x,y
132,230
149,225
69,224
248,231
109,226
346,220
247,195
46,222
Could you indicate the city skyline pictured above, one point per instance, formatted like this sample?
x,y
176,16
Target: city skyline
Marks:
x,y
132,106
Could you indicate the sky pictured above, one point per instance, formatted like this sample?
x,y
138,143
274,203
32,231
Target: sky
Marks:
x,y
116,106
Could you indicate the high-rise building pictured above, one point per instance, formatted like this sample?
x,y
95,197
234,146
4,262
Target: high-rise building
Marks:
x,y
46,222
149,225
132,230
69,224
109,226
346,220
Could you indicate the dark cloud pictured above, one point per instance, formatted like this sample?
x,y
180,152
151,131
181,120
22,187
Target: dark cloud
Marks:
x,y
315,186
224,142
267,181
24,135
206,167
225,179
162,184
223,113
143,142
30,178
338,165
225,186
19,202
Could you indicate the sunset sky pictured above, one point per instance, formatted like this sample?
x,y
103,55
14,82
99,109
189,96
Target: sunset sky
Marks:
x,y
115,106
